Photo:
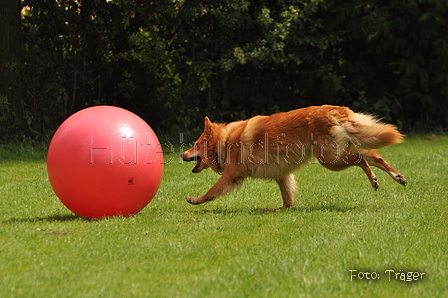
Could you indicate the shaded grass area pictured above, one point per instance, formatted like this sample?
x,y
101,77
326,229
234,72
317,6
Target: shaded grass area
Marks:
x,y
227,248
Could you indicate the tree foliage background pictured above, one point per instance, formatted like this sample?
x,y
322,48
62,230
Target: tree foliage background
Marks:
x,y
174,61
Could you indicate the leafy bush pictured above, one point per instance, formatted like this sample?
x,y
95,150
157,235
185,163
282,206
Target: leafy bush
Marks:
x,y
173,62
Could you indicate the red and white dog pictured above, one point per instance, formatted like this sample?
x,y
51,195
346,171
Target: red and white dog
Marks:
x,y
273,147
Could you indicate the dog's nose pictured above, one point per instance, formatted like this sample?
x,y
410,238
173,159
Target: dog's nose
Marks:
x,y
184,157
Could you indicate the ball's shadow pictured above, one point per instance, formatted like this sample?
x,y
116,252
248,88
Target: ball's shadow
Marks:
x,y
50,218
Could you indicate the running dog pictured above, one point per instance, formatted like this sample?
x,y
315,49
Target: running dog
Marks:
x,y
273,147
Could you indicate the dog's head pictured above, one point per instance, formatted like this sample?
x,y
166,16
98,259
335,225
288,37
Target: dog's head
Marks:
x,y
206,151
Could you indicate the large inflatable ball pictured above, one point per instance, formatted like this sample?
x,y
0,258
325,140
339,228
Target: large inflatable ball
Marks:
x,y
105,161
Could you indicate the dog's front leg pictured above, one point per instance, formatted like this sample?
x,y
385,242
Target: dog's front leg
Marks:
x,y
288,188
224,185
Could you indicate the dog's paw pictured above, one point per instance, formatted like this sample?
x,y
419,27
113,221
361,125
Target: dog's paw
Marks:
x,y
375,183
400,179
193,200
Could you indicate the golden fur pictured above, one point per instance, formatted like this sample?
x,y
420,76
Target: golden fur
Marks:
x,y
273,147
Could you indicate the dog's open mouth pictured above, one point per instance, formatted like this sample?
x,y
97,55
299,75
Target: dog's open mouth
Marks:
x,y
197,159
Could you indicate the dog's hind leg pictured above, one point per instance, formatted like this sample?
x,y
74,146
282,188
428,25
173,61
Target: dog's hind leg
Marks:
x,y
366,168
224,185
336,162
376,160
288,188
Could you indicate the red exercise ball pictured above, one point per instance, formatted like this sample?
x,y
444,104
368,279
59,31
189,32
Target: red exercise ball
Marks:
x,y
105,161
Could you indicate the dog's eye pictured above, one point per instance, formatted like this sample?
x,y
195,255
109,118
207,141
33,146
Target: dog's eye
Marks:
x,y
196,144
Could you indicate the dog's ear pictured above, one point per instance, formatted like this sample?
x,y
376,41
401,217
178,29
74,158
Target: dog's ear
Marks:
x,y
207,124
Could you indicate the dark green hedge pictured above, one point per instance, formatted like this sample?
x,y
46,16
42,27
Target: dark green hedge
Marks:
x,y
173,62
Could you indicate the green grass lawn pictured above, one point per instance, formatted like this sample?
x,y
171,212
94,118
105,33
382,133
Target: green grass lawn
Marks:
x,y
227,248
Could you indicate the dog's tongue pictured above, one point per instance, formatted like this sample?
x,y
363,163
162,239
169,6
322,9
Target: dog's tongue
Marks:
x,y
196,168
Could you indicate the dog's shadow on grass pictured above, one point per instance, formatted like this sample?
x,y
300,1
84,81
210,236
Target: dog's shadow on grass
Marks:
x,y
298,209
73,217
309,209
50,218
324,208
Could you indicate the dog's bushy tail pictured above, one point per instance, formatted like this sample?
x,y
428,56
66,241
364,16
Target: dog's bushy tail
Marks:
x,y
366,131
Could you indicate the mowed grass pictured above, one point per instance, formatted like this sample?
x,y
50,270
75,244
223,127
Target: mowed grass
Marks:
x,y
227,248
